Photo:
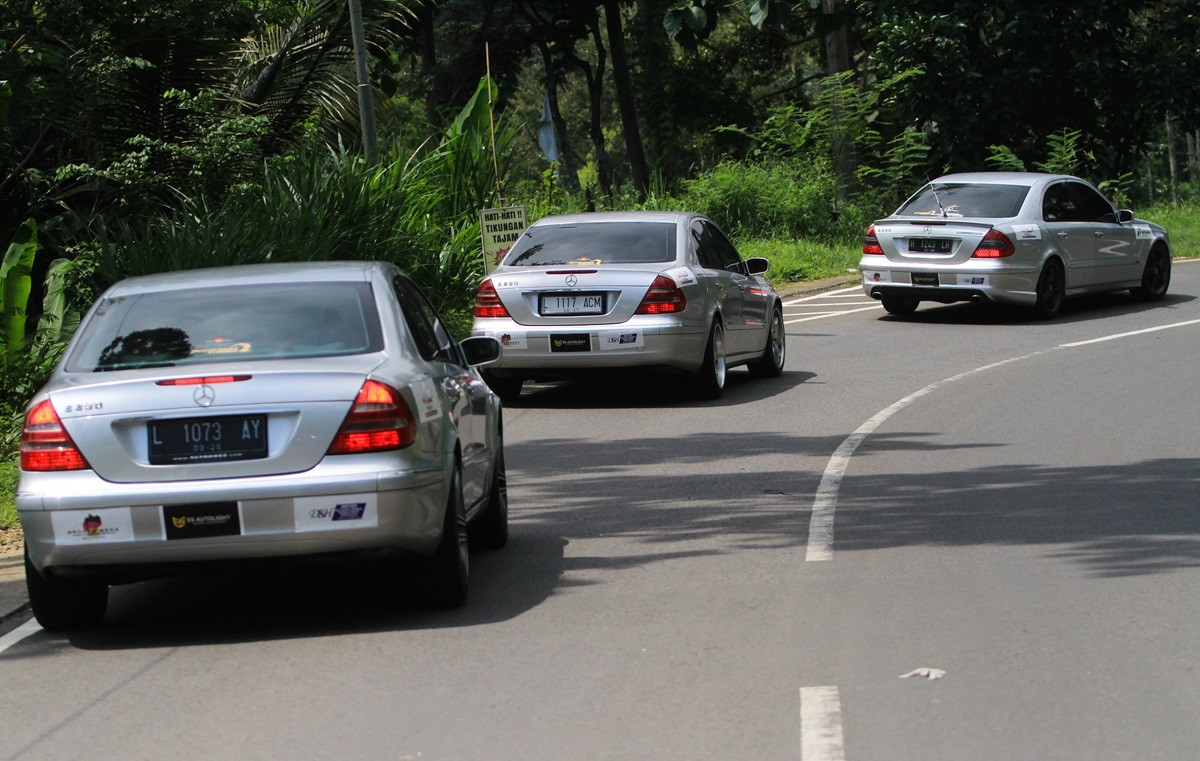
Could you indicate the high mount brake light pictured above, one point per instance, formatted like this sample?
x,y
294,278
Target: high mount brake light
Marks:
x,y
995,245
663,297
45,443
487,301
379,420
871,243
211,379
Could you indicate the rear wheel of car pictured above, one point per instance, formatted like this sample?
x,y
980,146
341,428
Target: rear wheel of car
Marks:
x,y
770,365
490,529
508,388
900,305
65,605
1156,276
1051,289
710,380
447,571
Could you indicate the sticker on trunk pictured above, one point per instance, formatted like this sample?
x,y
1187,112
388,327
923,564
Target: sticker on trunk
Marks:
x,y
335,513
74,527
682,276
625,339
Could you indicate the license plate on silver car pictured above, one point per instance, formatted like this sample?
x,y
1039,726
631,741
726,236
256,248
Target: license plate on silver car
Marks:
x,y
572,303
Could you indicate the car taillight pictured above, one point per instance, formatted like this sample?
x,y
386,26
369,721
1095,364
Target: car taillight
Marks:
x,y
379,420
45,444
487,301
994,246
871,243
663,297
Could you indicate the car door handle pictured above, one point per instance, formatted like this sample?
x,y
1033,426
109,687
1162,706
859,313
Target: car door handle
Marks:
x,y
1062,234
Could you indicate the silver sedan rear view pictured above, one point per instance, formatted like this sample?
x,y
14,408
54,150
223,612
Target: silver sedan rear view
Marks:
x,y
650,291
1014,238
267,412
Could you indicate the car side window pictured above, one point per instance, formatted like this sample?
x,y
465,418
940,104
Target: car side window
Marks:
x,y
1092,207
1057,204
423,323
725,251
705,251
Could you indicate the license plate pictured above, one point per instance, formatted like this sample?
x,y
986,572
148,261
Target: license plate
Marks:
x,y
930,245
570,342
924,279
207,439
572,303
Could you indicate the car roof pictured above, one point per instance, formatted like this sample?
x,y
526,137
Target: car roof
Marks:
x,y
249,274
672,217
1003,178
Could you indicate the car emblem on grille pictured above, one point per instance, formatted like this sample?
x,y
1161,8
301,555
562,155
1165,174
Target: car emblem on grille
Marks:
x,y
572,281
927,229
204,395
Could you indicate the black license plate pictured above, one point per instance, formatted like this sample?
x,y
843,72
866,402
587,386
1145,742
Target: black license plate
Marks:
x,y
570,342
207,439
924,279
202,520
930,245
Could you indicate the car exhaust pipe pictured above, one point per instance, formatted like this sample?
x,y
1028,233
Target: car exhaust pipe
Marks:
x,y
976,298
875,294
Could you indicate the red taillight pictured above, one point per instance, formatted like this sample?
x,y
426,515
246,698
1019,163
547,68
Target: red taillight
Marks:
x,y
871,243
487,301
379,420
664,297
994,245
45,444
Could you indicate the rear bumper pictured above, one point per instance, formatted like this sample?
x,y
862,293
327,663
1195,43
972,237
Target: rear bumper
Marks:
x,y
530,351
87,524
1012,285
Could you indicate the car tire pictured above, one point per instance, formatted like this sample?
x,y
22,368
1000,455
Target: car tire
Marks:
x,y
490,529
1156,276
709,382
508,388
447,571
65,605
1051,290
774,355
899,305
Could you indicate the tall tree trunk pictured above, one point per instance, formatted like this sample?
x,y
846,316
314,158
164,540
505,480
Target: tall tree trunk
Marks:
x,y
595,80
567,164
837,60
654,61
625,102
428,58
1173,162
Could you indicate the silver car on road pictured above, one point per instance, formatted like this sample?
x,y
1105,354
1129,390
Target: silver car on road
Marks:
x,y
645,290
1011,237
265,412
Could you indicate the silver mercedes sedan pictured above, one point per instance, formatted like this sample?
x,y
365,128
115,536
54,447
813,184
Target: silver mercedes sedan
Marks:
x,y
1014,238
264,412
651,291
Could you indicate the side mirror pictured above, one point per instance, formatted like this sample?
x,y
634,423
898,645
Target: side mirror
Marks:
x,y
1124,216
757,265
480,350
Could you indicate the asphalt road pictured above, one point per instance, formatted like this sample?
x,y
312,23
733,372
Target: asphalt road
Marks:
x,y
964,535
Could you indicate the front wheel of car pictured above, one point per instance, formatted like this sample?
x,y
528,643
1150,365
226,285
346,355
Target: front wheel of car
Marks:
x,y
899,305
770,365
507,387
65,604
447,571
490,529
1156,276
1051,290
710,380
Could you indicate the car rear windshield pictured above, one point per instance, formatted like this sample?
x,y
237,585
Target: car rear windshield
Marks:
x,y
965,200
593,244
218,324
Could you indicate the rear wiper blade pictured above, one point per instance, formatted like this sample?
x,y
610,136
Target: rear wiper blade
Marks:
x,y
941,208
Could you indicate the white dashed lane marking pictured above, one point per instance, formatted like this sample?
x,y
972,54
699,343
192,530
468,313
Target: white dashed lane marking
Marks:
x,y
827,304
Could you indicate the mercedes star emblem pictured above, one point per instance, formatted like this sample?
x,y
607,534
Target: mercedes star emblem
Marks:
x,y
571,281
927,229
204,396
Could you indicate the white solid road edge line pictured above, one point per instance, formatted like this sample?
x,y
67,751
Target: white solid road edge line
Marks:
x,y
1115,336
823,295
821,725
21,632
820,524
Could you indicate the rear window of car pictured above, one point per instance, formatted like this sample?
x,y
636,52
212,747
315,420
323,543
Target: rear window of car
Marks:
x,y
218,324
965,200
593,244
